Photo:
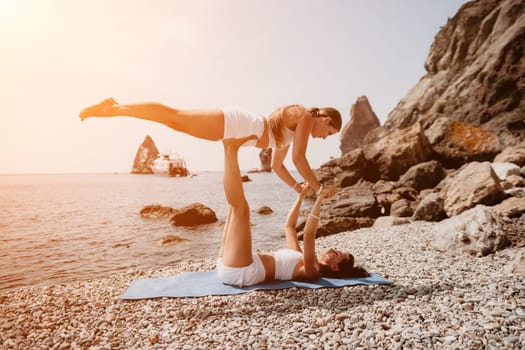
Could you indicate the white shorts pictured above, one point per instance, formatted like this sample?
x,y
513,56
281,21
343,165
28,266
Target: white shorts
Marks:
x,y
239,123
242,276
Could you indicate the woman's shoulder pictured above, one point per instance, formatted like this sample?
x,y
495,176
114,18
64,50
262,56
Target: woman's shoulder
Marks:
x,y
303,276
293,114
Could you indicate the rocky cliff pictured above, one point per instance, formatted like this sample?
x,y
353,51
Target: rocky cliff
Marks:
x,y
441,150
146,154
475,73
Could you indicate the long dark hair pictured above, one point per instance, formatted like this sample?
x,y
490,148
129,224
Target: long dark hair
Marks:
x,y
346,269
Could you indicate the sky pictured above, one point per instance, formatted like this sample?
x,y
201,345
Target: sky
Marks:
x,y
59,56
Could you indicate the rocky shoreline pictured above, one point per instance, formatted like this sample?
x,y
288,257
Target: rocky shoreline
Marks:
x,y
437,300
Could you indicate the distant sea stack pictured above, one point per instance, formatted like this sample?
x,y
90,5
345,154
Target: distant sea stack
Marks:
x,y
146,155
362,120
266,160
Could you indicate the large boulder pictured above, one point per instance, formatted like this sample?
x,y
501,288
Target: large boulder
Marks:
x,y
430,208
395,153
401,208
193,215
422,176
355,201
362,121
348,170
476,231
352,208
475,183
333,225
455,143
145,156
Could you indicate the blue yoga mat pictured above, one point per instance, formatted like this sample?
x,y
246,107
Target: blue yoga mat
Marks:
x,y
202,283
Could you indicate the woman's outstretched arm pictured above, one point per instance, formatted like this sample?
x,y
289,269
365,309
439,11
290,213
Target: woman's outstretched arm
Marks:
x,y
280,170
291,221
310,229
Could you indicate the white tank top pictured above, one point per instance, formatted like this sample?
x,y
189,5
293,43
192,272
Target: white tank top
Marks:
x,y
288,138
285,262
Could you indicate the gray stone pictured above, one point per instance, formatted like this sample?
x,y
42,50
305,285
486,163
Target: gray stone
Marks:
x,y
518,264
504,170
430,208
477,231
401,208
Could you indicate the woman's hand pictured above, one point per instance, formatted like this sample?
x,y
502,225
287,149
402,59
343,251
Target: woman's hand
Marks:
x,y
327,191
305,188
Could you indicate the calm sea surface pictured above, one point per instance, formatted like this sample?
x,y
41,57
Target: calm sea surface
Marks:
x,y
64,227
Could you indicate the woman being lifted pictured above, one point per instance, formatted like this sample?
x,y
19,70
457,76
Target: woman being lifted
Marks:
x,y
238,264
292,124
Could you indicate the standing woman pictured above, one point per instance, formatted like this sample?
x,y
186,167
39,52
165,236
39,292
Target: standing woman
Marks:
x,y
292,124
239,265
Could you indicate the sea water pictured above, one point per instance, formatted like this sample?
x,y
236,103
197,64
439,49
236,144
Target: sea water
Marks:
x,y
64,227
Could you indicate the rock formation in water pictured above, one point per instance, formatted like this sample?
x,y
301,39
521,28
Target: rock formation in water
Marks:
x,y
266,160
146,155
190,215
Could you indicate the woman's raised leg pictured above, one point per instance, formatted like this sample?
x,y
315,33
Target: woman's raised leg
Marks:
x,y
204,124
236,248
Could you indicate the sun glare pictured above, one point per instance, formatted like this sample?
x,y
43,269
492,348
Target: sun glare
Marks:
x,y
15,14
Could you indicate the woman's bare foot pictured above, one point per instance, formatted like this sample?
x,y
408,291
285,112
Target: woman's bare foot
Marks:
x,y
101,109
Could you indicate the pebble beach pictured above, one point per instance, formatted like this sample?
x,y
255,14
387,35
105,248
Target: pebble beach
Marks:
x,y
436,301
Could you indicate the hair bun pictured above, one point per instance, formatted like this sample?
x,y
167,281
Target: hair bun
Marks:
x,y
314,111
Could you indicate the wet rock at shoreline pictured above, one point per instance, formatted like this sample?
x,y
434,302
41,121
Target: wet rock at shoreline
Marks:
x,y
171,240
264,210
156,211
193,215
